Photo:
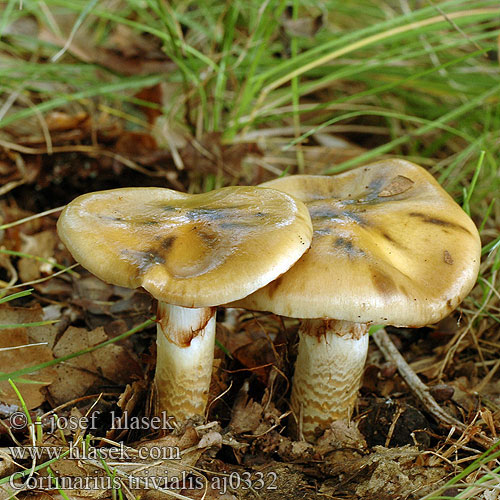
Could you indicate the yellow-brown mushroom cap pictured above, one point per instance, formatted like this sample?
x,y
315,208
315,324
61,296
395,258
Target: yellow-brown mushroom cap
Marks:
x,y
189,250
390,246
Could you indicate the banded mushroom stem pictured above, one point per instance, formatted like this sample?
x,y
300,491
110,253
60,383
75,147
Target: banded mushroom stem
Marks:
x,y
328,370
185,353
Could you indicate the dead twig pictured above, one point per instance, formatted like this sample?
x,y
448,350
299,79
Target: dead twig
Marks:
x,y
421,391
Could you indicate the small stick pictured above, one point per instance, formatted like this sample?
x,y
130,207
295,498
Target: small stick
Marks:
x,y
420,390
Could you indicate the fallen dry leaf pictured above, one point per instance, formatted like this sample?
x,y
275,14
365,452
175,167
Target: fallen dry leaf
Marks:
x,y
211,155
153,95
257,357
341,434
42,245
305,27
247,413
143,467
136,145
128,52
399,465
45,496
8,267
13,357
110,364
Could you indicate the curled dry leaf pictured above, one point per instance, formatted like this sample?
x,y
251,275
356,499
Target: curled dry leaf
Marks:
x,y
212,439
132,396
7,465
291,451
340,434
58,121
96,297
8,268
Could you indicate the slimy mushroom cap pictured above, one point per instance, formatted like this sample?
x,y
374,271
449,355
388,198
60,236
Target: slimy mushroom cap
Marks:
x,y
390,246
189,250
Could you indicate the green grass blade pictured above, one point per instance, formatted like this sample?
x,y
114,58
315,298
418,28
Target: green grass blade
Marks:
x,y
17,295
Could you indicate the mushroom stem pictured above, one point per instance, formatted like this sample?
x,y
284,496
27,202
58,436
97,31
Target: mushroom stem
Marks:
x,y
185,354
328,370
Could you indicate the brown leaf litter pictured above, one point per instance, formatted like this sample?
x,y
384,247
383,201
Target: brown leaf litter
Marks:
x,y
110,365
18,350
152,470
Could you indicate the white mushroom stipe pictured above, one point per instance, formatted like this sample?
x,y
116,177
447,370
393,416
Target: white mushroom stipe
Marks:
x,y
328,370
185,354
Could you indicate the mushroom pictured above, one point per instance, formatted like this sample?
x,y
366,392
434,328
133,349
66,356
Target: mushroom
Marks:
x,y
192,253
391,247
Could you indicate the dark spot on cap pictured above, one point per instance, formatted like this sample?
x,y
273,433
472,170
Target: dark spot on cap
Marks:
x,y
167,242
376,185
390,239
437,222
383,282
448,259
349,214
347,246
273,286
